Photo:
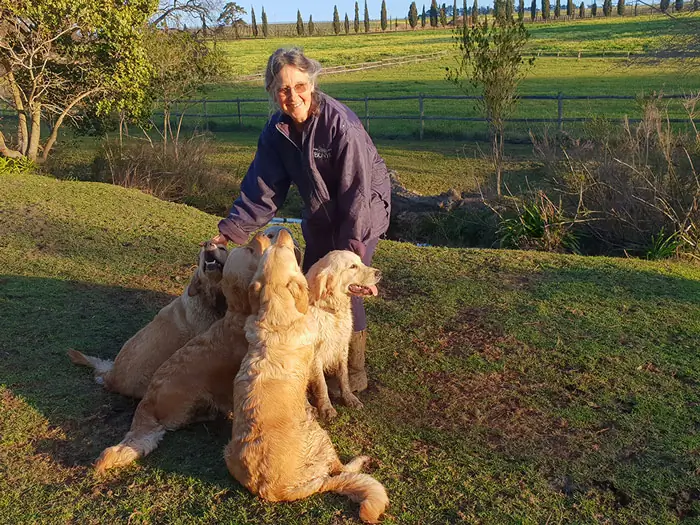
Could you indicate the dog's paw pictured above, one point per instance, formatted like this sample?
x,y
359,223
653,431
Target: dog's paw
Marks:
x,y
327,412
117,456
351,400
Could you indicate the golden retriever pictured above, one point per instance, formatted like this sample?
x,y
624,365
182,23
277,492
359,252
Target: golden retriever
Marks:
x,y
333,279
278,451
196,383
200,305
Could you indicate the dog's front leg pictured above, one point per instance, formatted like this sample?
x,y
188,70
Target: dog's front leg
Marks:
x,y
320,391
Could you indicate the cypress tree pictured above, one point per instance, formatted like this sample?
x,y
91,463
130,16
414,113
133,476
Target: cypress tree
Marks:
x,y
336,20
475,13
570,9
635,8
413,15
582,10
509,9
696,5
356,23
521,10
607,7
310,26
383,16
679,5
533,10
594,10
347,24
433,14
366,20
545,9
464,13
264,22
621,7
443,15
422,17
300,24
557,9
253,23
454,14
497,8
664,4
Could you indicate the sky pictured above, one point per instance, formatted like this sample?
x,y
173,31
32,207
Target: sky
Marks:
x,y
286,11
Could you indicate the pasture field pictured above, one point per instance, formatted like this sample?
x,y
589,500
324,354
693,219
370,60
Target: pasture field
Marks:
x,y
506,387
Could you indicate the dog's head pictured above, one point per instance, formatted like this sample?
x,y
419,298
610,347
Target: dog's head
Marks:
x,y
279,291
273,231
239,270
341,272
207,276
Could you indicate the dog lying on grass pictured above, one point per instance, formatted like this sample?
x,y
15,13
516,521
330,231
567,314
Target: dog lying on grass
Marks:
x,y
200,305
277,450
332,280
196,383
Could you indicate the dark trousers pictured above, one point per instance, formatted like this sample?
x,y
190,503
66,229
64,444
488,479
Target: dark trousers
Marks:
x,y
317,249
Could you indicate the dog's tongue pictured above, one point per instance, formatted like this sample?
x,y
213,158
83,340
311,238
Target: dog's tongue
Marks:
x,y
374,290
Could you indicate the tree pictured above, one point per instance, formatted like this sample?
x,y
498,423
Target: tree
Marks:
x,y
383,16
347,24
509,8
607,7
571,9
557,9
300,24
498,8
264,23
443,15
253,23
356,23
232,15
422,17
533,10
336,20
59,57
582,11
413,15
491,62
454,13
696,5
545,9
621,7
366,18
170,13
311,27
594,9
475,13
679,5
521,10
433,13
464,13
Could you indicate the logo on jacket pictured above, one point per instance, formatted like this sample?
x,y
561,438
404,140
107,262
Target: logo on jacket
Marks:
x,y
322,153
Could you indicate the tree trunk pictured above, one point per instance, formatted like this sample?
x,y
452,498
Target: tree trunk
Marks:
x,y
22,131
54,131
35,135
7,152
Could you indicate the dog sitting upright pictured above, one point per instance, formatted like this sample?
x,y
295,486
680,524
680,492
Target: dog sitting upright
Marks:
x,y
190,314
333,279
196,383
278,450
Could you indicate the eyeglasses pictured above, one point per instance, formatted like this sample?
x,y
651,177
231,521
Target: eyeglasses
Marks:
x,y
299,88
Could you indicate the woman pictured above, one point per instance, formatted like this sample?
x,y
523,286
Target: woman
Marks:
x,y
318,144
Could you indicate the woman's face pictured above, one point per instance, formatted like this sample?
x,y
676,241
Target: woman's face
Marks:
x,y
294,93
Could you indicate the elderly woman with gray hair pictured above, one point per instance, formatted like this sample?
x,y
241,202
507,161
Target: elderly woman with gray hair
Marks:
x,y
320,145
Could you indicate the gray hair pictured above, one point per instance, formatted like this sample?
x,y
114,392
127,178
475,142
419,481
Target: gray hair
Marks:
x,y
290,57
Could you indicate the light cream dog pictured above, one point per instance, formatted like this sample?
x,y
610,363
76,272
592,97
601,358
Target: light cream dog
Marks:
x,y
277,450
196,383
192,313
333,279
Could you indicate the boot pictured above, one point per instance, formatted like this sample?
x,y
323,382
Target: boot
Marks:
x,y
356,361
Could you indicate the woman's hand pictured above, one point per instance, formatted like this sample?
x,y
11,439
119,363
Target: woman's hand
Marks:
x,y
219,240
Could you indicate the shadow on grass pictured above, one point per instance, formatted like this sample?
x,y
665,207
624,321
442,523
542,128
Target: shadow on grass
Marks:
x,y
42,318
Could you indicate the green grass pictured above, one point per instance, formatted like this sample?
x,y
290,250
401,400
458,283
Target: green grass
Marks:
x,y
506,387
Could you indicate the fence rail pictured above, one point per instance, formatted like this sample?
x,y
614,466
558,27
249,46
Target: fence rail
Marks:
x,y
421,115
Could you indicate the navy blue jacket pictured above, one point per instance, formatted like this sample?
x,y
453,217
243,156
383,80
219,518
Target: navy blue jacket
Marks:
x,y
341,178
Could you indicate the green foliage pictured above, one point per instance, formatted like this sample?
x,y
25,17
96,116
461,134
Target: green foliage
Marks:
x,y
454,13
434,12
423,17
383,21
413,15
582,10
570,8
664,5
621,7
366,18
539,225
300,24
310,26
336,20
232,15
356,21
475,13
21,165
443,15
607,7
253,22
679,5
557,9
264,23
465,18
521,10
664,246
594,9
545,9
347,24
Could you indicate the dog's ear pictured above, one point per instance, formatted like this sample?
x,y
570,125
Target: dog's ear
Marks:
x,y
254,295
300,292
317,285
237,298
195,284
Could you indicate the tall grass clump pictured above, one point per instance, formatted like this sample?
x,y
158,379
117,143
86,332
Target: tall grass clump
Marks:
x,y
17,166
638,190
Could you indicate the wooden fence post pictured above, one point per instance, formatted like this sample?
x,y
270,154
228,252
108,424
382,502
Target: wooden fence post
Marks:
x,y
206,116
367,113
422,113
240,121
560,111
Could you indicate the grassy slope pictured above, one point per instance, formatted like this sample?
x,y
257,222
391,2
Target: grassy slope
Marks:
x,y
506,386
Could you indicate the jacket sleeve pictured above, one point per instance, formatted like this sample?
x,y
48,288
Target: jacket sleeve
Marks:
x,y
263,190
354,191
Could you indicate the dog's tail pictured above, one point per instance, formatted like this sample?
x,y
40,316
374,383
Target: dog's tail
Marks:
x,y
101,366
361,488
